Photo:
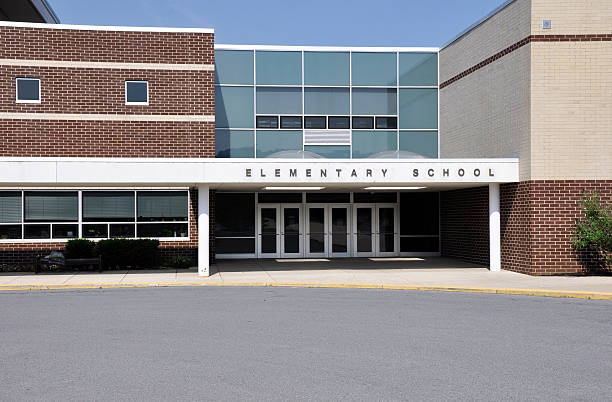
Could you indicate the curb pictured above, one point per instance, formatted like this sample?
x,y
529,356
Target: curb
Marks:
x,y
506,291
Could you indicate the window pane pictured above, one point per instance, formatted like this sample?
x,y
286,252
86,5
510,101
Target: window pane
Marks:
x,y
274,197
419,213
10,206
234,214
267,121
51,206
162,230
388,197
374,69
162,205
326,68
424,143
386,122
270,142
28,89
234,143
363,122
318,122
338,122
108,206
234,67
291,122
136,92
234,246
10,232
418,69
419,244
330,151
374,101
418,108
65,231
37,231
325,198
234,107
97,231
368,143
279,68
122,230
327,100
279,100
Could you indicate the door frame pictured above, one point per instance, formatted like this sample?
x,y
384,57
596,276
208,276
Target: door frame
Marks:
x,y
259,253
357,253
326,249
349,225
301,232
395,230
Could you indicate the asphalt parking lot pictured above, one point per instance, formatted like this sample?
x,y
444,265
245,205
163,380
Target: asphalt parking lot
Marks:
x,y
301,344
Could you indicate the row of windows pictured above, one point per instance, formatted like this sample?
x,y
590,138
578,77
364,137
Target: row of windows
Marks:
x,y
246,67
363,143
327,122
28,90
236,106
56,214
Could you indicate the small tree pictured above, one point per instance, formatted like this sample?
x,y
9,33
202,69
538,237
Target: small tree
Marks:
x,y
592,237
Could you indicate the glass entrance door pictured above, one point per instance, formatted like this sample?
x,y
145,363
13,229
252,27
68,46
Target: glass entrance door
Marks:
x,y
316,233
339,230
268,230
363,231
387,238
291,231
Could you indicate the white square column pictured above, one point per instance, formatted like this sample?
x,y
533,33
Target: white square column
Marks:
x,y
494,228
203,230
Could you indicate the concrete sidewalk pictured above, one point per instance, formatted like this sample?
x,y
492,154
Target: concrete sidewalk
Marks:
x,y
391,273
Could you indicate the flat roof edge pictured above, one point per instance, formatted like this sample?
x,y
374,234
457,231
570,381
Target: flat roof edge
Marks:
x,y
477,23
327,48
103,27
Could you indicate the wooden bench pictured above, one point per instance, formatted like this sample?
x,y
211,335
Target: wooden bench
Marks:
x,y
71,262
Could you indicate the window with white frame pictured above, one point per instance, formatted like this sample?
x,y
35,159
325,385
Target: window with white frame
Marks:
x,y
136,92
104,214
27,90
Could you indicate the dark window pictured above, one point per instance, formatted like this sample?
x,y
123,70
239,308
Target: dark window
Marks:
x,y
279,197
162,206
339,122
419,214
51,206
316,122
235,245
234,214
108,206
122,230
363,122
419,244
10,232
98,231
10,207
136,92
65,231
267,121
162,230
28,90
37,231
291,122
386,122
390,197
328,197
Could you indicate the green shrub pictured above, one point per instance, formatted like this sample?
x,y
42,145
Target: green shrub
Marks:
x,y
123,253
592,237
80,248
181,262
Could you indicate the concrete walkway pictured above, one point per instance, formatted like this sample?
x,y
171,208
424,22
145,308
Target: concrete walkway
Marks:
x,y
433,273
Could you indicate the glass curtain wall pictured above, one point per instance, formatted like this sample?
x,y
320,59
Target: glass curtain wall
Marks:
x,y
336,104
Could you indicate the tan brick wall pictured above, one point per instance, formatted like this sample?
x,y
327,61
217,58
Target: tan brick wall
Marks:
x,y
503,29
571,110
571,16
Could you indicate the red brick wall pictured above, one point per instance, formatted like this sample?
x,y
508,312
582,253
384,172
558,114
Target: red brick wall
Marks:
x,y
537,221
464,224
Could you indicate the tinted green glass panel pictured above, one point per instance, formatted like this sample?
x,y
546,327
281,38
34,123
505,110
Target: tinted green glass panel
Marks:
x,y
418,69
282,100
368,143
330,151
234,107
420,142
374,101
162,205
418,108
51,206
234,143
327,68
272,141
234,67
327,101
10,206
374,69
279,68
108,206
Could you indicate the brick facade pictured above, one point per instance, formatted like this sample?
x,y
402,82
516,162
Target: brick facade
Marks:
x,y
464,224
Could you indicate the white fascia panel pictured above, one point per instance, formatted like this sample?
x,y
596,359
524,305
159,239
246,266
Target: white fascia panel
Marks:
x,y
327,48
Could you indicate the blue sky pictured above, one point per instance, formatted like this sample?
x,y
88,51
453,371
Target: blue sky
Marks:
x,y
278,22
